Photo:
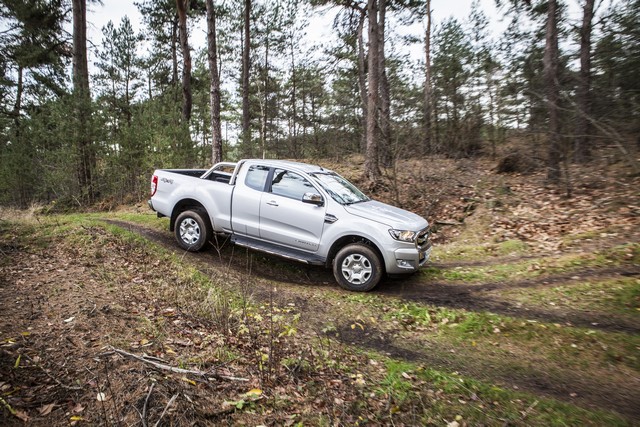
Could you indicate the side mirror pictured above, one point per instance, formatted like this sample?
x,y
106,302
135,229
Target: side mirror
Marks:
x,y
313,199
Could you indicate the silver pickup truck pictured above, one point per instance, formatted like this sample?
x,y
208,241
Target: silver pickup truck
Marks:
x,y
294,210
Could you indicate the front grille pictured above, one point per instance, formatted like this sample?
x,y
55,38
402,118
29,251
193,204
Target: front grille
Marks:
x,y
422,241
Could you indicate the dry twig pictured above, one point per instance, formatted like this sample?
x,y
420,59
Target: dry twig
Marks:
x,y
60,383
161,366
146,403
7,406
173,398
448,223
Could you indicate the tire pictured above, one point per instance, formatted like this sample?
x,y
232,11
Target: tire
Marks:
x,y
357,268
192,230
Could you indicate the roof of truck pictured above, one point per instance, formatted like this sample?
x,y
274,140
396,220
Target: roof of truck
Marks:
x,y
288,164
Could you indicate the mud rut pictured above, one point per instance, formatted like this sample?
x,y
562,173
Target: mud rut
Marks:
x,y
621,398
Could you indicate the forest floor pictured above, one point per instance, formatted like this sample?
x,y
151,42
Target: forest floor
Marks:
x,y
529,314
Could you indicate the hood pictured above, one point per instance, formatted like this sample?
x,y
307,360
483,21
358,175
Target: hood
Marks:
x,y
389,215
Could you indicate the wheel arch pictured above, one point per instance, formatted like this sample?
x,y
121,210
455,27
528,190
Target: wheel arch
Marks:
x,y
349,239
185,205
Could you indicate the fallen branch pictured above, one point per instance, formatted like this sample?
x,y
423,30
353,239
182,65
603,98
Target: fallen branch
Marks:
x,y
173,398
526,413
6,405
161,366
60,383
448,223
146,403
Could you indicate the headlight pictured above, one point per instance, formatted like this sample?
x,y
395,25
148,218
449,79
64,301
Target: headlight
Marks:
x,y
403,235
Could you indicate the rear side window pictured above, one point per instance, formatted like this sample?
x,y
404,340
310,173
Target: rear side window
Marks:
x,y
256,177
289,184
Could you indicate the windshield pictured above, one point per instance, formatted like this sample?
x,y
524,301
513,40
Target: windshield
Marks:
x,y
340,190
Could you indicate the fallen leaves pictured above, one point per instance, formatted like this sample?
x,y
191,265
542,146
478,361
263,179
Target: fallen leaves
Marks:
x,y
21,415
46,409
547,218
246,400
357,325
144,310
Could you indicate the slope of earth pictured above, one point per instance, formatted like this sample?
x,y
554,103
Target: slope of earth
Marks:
x,y
529,315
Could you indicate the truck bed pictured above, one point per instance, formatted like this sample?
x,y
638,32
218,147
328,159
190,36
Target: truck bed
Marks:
x,y
217,176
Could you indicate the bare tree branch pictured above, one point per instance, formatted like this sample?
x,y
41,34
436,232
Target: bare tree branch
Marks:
x,y
205,375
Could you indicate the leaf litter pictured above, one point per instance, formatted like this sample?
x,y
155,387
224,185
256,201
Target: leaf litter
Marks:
x,y
64,306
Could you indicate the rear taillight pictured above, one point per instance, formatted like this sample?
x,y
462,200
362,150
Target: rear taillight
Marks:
x,y
154,184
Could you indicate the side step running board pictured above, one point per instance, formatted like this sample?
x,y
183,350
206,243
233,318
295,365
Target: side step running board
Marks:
x,y
276,250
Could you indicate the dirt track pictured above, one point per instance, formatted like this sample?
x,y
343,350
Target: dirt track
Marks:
x,y
296,281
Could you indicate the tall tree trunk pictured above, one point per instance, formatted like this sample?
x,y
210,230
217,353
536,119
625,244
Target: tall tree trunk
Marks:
x,y
582,143
17,106
187,100
362,79
550,61
174,50
294,89
246,118
495,127
82,99
427,146
371,163
385,96
265,99
214,93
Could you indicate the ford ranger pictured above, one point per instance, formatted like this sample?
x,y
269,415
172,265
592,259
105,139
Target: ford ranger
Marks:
x,y
294,210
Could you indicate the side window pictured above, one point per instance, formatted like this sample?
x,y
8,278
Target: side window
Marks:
x,y
289,184
256,177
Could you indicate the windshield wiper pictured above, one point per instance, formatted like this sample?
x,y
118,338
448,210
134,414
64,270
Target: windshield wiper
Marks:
x,y
357,201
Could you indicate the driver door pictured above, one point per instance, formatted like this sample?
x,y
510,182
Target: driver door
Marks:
x,y
284,218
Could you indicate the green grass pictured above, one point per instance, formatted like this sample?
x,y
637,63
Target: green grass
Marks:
x,y
479,251
149,220
434,396
505,270
394,384
615,296
437,397
486,273
459,327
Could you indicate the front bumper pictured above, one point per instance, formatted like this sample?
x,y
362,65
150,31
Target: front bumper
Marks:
x,y
409,260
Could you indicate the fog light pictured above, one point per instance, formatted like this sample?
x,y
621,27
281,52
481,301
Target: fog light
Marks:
x,y
403,263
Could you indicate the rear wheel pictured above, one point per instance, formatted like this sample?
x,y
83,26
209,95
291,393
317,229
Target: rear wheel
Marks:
x,y
192,230
357,267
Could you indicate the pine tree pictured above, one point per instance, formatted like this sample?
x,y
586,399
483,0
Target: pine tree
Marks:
x,y
582,142
82,96
212,54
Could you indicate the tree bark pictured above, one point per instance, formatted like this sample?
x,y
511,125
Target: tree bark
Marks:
x,y
246,118
294,101
550,61
582,143
265,98
82,99
427,84
187,99
174,51
17,106
214,92
385,96
362,79
371,164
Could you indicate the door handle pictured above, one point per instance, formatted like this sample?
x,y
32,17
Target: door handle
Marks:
x,y
272,203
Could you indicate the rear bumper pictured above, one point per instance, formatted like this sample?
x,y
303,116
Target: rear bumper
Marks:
x,y
150,203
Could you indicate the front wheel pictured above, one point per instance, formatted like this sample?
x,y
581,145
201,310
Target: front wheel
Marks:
x,y
192,230
357,267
